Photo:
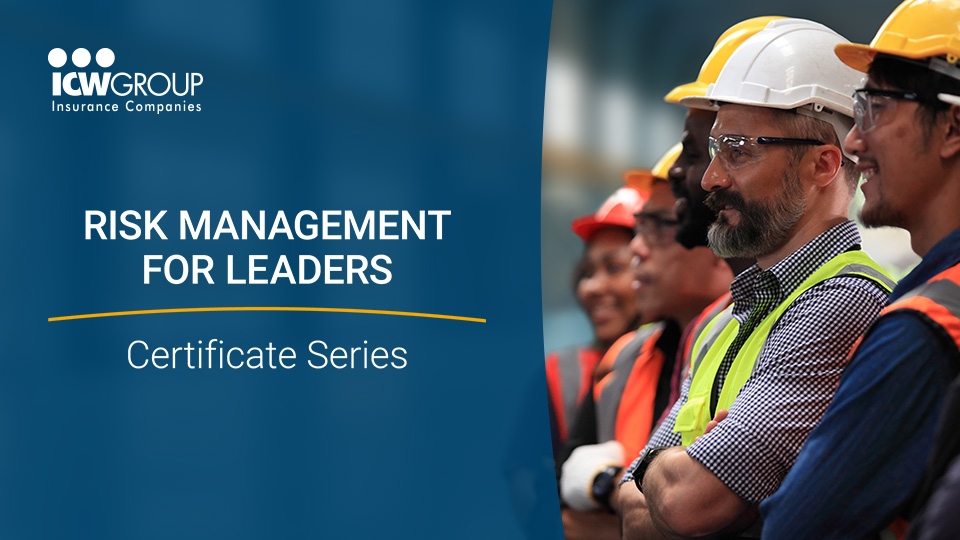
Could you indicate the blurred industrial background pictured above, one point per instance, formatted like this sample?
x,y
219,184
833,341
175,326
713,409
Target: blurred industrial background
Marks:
x,y
610,64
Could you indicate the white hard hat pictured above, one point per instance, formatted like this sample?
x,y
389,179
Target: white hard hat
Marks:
x,y
789,64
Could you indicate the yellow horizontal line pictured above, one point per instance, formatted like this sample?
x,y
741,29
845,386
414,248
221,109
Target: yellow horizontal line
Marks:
x,y
255,308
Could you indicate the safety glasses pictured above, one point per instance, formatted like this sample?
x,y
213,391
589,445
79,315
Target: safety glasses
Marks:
x,y
873,107
656,230
736,151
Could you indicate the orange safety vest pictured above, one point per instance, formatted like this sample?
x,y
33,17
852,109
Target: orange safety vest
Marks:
x,y
625,403
569,376
625,396
938,302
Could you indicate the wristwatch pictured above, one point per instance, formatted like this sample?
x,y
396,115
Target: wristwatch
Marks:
x,y
603,485
646,457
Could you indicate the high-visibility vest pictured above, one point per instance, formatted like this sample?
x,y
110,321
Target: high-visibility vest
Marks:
x,y
938,302
569,376
711,346
700,325
682,366
625,396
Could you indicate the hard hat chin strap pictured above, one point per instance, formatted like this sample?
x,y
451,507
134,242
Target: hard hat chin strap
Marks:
x,y
842,124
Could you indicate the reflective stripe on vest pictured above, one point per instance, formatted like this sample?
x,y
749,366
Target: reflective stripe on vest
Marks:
x,y
710,348
569,373
700,325
609,392
938,300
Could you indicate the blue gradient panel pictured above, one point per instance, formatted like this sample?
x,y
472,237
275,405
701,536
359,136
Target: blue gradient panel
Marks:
x,y
375,105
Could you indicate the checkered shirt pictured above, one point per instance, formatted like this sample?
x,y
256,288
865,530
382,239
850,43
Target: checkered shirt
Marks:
x,y
796,373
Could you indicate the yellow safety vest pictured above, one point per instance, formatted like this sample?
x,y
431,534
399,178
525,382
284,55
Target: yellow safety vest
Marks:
x,y
712,344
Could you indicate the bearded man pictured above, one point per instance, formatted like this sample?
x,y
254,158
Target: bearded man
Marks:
x,y
781,185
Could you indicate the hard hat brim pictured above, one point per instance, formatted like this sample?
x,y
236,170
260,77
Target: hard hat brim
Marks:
x,y
699,102
585,227
693,89
859,56
640,180
713,103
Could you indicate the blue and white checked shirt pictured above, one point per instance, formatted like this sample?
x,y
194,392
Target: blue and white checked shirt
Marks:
x,y
797,371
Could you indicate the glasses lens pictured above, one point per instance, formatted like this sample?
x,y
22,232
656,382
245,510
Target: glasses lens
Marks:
x,y
655,230
712,147
734,150
647,229
860,111
873,107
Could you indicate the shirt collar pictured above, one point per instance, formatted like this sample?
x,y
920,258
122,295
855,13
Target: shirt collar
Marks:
x,y
944,254
784,277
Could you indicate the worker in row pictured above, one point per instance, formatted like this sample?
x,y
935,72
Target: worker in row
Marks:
x,y
603,284
781,184
673,286
694,216
602,462
864,463
566,384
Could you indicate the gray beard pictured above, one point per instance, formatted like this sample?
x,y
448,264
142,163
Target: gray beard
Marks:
x,y
764,226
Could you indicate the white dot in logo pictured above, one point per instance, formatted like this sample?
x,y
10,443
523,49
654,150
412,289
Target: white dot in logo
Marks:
x,y
57,58
81,57
105,58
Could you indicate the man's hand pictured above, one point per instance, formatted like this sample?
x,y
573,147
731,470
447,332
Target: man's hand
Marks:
x,y
721,414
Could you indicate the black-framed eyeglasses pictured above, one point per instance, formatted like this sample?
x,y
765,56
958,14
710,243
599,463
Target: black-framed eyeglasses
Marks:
x,y
655,229
739,150
875,106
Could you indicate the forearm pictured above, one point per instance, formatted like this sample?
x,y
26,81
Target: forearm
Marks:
x,y
615,497
661,484
685,500
635,521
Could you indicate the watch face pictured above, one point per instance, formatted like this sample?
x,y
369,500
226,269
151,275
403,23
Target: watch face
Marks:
x,y
603,484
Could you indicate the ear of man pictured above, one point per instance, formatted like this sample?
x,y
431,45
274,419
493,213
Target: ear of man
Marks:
x,y
823,163
950,149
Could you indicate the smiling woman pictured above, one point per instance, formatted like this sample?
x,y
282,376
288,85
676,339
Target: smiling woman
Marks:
x,y
603,284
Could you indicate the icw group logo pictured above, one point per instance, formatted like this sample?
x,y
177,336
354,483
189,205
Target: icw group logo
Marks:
x,y
85,80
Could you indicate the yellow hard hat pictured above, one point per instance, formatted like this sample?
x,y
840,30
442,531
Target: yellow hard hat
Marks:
x,y
916,29
642,180
728,42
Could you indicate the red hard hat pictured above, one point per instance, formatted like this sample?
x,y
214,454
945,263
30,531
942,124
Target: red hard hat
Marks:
x,y
616,211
